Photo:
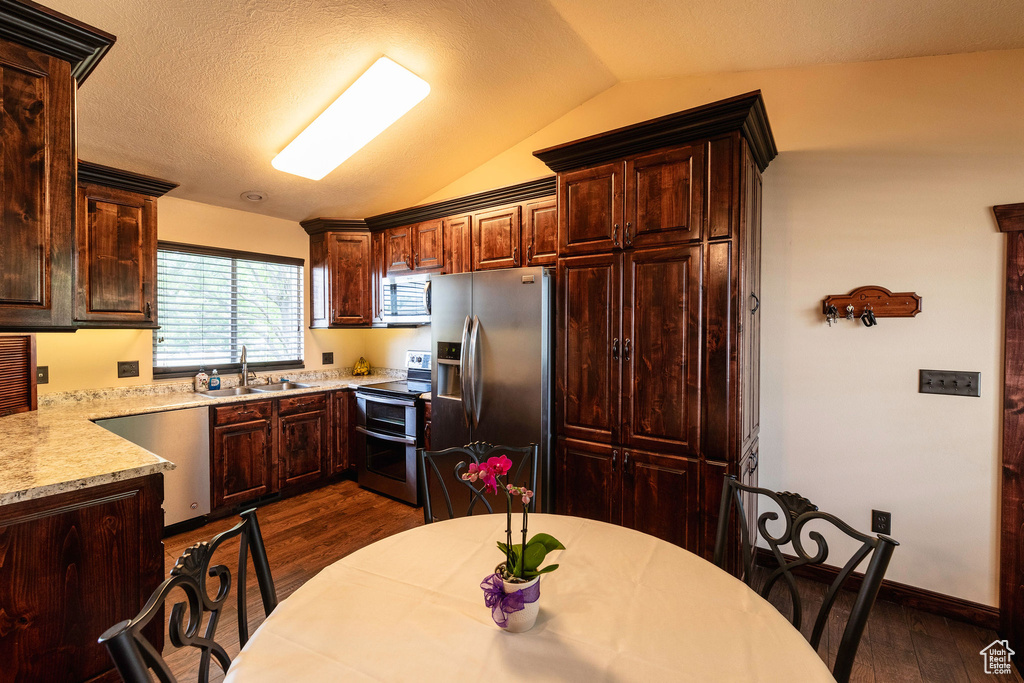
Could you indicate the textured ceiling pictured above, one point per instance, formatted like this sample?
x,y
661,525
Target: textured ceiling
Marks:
x,y
666,38
207,93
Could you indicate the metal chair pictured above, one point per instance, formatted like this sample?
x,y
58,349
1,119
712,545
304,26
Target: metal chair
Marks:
x,y
133,654
799,512
434,466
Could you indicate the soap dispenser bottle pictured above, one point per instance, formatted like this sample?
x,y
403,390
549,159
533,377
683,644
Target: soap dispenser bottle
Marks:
x,y
214,380
201,381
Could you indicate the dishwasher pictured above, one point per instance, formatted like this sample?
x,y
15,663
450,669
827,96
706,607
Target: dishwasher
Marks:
x,y
183,437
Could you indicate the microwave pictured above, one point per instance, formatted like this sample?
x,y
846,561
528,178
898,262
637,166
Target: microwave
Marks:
x,y
405,300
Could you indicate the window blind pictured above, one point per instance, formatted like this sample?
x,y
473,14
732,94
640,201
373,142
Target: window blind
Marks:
x,y
211,302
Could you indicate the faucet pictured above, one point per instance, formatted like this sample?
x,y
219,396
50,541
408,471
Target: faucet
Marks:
x,y
245,369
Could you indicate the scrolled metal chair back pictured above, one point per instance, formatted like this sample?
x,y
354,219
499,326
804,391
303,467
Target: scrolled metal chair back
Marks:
x,y
798,512
462,499
134,655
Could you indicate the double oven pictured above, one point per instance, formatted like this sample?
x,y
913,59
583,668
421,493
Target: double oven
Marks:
x,y
390,429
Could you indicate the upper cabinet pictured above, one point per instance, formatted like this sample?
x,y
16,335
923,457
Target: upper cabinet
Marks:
x,y
496,238
398,249
42,57
342,273
458,240
116,234
540,232
428,245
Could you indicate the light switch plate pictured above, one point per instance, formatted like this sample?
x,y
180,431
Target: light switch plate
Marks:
x,y
950,382
43,374
328,357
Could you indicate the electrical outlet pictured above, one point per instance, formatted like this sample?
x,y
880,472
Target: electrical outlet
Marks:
x,y
127,368
329,358
43,374
881,522
949,382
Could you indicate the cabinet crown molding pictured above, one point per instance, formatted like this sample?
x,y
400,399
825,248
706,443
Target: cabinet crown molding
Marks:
x,y
50,32
95,174
315,226
743,113
1009,217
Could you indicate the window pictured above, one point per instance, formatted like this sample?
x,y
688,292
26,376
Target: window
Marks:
x,y
211,302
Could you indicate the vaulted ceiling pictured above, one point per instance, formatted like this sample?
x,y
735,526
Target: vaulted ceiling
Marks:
x,y
207,93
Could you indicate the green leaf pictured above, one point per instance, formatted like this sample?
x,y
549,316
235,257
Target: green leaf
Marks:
x,y
548,541
529,574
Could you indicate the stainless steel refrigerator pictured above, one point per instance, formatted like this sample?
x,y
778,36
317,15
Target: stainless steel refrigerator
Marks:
x,y
492,335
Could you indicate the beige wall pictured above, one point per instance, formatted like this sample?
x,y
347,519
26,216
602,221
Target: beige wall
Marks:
x,y
88,358
885,176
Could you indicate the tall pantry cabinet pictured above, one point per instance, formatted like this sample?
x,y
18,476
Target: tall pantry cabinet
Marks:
x,y
658,327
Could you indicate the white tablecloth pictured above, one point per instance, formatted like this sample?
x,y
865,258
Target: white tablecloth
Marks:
x,y
623,606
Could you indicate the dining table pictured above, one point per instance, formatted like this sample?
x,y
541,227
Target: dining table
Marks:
x,y
622,606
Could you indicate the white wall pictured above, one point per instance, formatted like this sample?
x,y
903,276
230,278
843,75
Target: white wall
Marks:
x,y
886,175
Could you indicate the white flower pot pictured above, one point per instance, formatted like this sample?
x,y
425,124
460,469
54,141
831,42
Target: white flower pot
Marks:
x,y
524,619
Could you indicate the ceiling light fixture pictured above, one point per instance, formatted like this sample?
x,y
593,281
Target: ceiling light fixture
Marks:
x,y
253,195
378,98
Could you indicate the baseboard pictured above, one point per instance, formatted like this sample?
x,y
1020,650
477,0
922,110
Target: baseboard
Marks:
x,y
902,594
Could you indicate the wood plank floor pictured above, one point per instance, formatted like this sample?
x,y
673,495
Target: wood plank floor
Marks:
x,y
306,533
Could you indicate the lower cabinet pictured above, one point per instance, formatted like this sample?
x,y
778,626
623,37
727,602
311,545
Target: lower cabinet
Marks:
x,y
276,445
243,453
426,425
656,494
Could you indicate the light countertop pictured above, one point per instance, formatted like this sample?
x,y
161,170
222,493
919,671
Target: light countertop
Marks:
x,y
58,448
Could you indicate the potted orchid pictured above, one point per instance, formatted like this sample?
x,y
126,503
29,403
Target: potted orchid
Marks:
x,y
513,590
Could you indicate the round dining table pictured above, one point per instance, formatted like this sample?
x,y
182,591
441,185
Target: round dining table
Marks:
x,y
622,606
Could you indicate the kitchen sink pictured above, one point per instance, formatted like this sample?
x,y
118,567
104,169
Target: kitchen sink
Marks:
x,y
280,386
233,391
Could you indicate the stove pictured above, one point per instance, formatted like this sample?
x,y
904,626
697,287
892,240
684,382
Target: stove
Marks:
x,y
389,430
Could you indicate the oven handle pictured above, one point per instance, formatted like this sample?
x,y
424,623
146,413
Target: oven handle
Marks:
x,y
467,397
376,398
386,437
474,361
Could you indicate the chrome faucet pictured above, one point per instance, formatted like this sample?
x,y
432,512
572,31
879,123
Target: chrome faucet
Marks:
x,y
245,369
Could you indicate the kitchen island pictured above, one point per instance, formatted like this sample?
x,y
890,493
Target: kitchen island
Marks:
x,y
81,524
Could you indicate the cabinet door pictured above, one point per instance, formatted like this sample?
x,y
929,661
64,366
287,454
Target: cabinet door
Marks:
x,y
350,278
661,349
540,232
750,306
340,456
496,237
37,205
398,249
660,497
664,197
590,210
378,269
588,481
457,240
116,273
589,347
303,447
242,462
428,245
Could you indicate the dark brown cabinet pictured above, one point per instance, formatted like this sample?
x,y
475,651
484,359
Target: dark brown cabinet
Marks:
x,y
378,271
496,238
116,273
37,206
428,245
343,405
303,439
242,444
658,322
458,240
398,249
540,232
340,277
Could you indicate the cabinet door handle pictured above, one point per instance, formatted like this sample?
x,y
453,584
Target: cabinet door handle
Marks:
x,y
628,238
615,456
529,254
757,303
625,461
515,256
615,234
149,310
245,412
615,348
626,345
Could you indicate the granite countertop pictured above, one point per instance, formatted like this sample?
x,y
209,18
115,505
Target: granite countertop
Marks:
x,y
58,448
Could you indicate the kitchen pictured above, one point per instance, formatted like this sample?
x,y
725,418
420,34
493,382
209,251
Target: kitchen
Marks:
x,y
473,208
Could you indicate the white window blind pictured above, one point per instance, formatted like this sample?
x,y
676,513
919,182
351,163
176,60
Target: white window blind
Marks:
x,y
211,302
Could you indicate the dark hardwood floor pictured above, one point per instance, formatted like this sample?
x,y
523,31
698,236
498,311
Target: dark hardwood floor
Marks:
x,y
306,533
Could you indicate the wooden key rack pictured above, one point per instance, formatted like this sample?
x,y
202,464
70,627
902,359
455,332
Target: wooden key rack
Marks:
x,y
882,302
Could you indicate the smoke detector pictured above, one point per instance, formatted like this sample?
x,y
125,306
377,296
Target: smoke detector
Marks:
x,y
254,195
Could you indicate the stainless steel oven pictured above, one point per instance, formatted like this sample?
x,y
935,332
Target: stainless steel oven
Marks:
x,y
389,431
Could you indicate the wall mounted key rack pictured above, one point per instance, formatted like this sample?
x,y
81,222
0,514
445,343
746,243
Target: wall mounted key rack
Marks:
x,y
869,303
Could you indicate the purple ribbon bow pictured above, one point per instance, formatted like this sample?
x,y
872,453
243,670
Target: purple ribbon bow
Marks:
x,y
503,604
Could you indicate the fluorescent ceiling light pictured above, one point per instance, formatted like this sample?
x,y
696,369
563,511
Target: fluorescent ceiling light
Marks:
x,y
377,99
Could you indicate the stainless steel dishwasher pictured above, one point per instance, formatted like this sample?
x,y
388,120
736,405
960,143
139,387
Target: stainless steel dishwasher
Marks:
x,y
183,437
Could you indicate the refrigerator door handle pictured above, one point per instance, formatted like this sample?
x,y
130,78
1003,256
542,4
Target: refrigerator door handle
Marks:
x,y
464,383
474,363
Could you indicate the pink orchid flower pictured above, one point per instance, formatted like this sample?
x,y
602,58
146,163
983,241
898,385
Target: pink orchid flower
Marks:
x,y
499,465
527,495
473,473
